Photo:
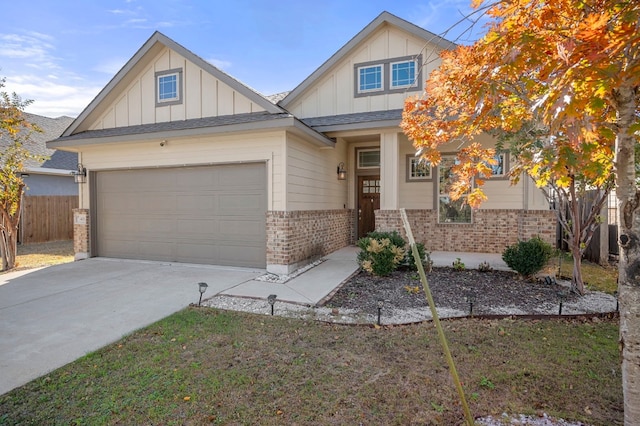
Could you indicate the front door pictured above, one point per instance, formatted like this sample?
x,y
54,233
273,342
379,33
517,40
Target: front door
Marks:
x,y
368,202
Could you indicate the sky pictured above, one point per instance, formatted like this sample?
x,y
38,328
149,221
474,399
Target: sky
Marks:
x,y
61,53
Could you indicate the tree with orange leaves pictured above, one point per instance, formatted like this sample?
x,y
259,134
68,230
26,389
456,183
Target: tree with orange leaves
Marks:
x,y
562,78
15,127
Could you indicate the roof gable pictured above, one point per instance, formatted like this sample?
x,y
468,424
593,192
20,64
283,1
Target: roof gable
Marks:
x,y
403,39
113,94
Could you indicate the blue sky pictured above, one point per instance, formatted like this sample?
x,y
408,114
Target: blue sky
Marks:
x,y
62,53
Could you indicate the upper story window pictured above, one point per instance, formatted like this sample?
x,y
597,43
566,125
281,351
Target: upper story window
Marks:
x,y
370,78
403,74
393,75
169,87
499,169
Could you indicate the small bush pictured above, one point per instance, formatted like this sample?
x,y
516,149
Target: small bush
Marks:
x,y
485,267
528,257
410,262
458,264
381,253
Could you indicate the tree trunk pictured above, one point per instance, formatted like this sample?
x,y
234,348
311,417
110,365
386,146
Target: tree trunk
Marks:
x,y
577,284
629,263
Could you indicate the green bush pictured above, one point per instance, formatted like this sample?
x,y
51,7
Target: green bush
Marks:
x,y
381,258
528,257
381,253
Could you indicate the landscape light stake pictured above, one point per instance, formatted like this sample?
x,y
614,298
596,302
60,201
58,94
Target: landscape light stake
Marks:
x,y
615,294
471,298
561,296
436,320
380,306
202,287
272,301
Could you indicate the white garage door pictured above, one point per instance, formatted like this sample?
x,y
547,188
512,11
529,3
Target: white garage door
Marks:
x,y
212,215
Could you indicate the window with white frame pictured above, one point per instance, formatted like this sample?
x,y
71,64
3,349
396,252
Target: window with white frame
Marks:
x,y
169,87
417,169
450,211
403,74
370,78
500,168
369,158
393,75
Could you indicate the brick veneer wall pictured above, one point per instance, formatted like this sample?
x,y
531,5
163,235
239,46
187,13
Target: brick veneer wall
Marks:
x,y
81,234
295,238
490,232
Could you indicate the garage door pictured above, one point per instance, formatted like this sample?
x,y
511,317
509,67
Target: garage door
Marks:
x,y
212,215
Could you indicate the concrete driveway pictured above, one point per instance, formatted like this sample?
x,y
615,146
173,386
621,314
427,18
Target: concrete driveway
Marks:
x,y
52,316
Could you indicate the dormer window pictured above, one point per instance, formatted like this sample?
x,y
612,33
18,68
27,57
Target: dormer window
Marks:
x,y
370,78
403,74
393,75
169,87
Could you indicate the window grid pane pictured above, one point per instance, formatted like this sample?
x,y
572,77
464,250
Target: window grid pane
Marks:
x,y
403,74
368,159
419,169
167,87
371,78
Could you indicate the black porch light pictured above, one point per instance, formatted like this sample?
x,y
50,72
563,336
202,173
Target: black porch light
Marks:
x,y
342,173
202,287
272,301
80,174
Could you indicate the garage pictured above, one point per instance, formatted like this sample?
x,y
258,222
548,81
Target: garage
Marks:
x,y
206,214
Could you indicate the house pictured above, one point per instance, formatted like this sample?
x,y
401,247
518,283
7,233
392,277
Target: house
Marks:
x,y
187,164
50,191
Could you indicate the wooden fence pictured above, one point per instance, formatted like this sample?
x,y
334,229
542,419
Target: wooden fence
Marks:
x,y
47,218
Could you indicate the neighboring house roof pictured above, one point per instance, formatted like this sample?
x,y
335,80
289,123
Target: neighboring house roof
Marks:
x,y
193,127
36,144
384,17
149,47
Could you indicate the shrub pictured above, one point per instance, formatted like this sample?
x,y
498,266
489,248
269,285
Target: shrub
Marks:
x,y
458,264
528,257
381,253
410,262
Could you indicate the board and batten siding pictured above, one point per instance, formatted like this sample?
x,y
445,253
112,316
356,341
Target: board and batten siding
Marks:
x,y
333,94
312,181
203,95
266,147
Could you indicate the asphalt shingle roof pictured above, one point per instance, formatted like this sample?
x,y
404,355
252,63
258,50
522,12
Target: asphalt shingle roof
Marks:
x,y
196,123
355,118
51,129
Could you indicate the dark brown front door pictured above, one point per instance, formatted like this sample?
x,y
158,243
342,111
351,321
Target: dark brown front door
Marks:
x,y
368,202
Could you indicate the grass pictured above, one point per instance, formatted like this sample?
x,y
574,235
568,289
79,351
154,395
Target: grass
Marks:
x,y
596,277
37,255
205,366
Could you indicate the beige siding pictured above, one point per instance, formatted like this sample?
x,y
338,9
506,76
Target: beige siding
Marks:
x,y
265,147
312,182
334,93
203,96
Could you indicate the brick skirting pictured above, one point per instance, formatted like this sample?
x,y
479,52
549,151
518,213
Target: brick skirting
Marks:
x,y
81,234
296,238
490,232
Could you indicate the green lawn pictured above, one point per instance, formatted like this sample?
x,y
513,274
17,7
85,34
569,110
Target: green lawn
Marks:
x,y
205,366
596,277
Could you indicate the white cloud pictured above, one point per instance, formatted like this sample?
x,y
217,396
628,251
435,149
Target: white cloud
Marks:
x,y
35,47
219,63
110,66
51,99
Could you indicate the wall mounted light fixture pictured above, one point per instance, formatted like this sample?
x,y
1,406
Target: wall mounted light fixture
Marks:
x,y
80,174
342,173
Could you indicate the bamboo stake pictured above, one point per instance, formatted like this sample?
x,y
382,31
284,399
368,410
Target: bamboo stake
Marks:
x,y
436,319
